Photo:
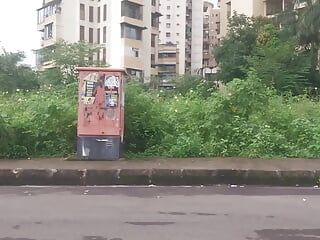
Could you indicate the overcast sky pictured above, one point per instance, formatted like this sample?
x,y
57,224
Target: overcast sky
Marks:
x,y
18,26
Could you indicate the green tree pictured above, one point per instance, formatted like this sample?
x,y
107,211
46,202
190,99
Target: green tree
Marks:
x,y
309,35
238,45
65,57
13,74
143,120
278,63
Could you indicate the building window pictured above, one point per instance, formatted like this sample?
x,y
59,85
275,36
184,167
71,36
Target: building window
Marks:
x,y
104,34
48,31
132,32
153,2
105,12
153,40
131,10
91,14
98,35
90,35
51,9
168,7
104,56
99,14
218,28
82,31
229,9
168,25
82,12
135,52
168,16
135,72
167,55
154,20
168,34
167,68
153,60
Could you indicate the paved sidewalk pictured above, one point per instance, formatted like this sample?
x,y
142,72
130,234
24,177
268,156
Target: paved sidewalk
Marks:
x,y
191,171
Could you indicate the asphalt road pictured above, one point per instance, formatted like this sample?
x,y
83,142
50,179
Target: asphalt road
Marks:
x,y
159,213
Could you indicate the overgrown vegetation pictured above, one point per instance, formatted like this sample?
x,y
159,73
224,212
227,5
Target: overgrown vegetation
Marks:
x,y
268,106
13,74
246,118
38,123
283,51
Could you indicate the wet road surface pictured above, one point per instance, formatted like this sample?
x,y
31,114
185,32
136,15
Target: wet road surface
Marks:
x,y
159,213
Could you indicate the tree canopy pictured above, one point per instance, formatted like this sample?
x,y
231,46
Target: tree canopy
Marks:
x,y
283,51
65,57
13,74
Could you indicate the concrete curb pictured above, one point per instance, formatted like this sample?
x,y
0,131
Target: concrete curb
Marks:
x,y
164,177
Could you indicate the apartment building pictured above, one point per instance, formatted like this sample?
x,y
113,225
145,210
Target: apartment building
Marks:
x,y
211,31
168,63
266,8
181,25
127,30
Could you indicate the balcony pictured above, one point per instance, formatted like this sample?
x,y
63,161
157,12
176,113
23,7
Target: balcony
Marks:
x,y
47,42
274,7
155,22
132,22
167,48
48,13
155,6
167,60
167,69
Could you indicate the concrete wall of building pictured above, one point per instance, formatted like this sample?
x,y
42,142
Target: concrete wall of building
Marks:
x,y
177,28
247,7
197,36
242,7
115,47
119,51
258,8
224,18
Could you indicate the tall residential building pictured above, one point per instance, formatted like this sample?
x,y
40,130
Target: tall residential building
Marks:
x,y
181,24
266,8
168,63
211,31
127,30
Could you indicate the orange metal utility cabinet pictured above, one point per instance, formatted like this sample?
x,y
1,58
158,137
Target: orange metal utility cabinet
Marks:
x,y
100,113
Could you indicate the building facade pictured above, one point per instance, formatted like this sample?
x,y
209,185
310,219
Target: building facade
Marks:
x,y
211,32
168,62
181,25
127,30
254,8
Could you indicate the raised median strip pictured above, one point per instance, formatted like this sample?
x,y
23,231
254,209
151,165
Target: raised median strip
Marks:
x,y
164,177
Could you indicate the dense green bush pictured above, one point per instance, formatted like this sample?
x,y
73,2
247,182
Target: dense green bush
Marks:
x,y
41,122
143,119
245,118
